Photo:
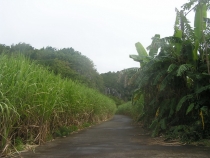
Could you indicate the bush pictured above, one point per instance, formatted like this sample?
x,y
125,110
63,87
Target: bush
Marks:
x,y
133,110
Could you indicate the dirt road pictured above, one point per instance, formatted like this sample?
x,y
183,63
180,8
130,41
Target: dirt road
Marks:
x,y
116,138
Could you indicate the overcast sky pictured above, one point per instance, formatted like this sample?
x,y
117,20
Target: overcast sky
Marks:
x,y
103,30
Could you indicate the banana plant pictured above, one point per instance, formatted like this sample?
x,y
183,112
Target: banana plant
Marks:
x,y
178,31
155,45
173,80
142,56
199,27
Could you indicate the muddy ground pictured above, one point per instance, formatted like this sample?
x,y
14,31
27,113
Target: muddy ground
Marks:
x,y
116,138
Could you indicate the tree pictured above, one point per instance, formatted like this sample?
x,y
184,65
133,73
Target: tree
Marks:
x,y
67,62
117,84
175,80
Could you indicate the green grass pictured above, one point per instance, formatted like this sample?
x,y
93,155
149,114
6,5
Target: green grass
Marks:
x,y
135,111
34,103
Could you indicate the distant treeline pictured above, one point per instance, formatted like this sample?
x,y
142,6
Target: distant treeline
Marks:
x,y
67,62
71,64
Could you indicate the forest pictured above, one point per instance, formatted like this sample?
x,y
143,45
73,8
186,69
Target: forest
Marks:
x,y
47,93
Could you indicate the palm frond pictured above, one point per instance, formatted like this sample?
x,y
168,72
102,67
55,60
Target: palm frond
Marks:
x,y
155,45
158,77
172,67
184,99
190,108
189,5
183,68
204,88
167,80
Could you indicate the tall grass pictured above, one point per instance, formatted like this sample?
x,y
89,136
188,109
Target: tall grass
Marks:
x,y
34,102
133,110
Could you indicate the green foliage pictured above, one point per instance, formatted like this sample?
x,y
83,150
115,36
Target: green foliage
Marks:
x,y
65,131
36,103
18,144
86,124
190,108
124,109
183,68
185,133
67,62
153,48
133,110
118,85
142,56
184,99
199,23
175,82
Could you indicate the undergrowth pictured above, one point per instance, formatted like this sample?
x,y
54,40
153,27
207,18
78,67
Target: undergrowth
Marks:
x,y
133,110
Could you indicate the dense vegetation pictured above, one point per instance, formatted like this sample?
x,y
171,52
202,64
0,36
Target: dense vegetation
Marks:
x,y
37,105
73,65
135,111
118,86
50,92
174,78
44,93
67,62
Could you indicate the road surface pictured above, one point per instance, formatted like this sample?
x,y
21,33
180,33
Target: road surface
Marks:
x,y
116,138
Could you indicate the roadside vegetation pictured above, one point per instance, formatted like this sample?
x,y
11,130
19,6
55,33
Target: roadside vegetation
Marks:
x,y
134,110
36,105
72,64
66,62
49,92
174,78
117,85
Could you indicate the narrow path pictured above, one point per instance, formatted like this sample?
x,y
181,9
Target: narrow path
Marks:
x,y
117,138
